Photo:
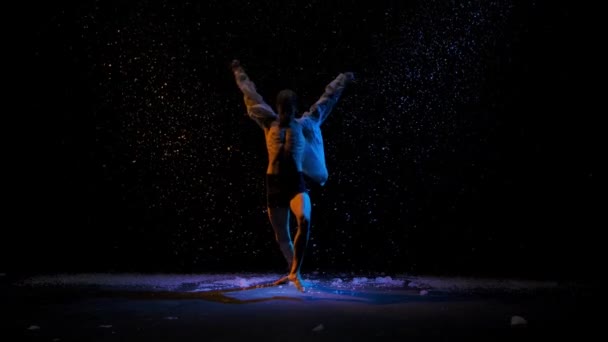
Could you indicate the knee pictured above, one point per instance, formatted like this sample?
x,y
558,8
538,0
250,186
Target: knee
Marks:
x,y
303,222
281,238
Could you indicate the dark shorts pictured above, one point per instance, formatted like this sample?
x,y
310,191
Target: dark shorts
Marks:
x,y
281,189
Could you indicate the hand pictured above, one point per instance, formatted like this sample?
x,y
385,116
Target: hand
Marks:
x,y
235,64
350,77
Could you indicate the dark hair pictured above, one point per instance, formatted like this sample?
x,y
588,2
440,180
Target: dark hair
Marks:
x,y
287,104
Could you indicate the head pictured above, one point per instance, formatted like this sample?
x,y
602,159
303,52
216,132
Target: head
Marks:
x,y
286,106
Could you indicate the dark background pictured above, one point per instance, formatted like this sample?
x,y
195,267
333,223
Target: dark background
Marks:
x,y
465,148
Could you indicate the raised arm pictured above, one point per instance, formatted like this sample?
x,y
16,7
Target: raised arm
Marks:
x,y
257,109
321,109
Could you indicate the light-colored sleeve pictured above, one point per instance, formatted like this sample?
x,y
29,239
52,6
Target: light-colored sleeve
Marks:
x,y
320,110
257,108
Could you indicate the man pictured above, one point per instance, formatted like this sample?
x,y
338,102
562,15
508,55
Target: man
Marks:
x,y
295,148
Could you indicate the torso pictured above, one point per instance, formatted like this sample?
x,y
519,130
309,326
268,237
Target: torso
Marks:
x,y
285,148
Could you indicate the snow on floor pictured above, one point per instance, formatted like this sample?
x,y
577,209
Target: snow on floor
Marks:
x,y
469,284
208,282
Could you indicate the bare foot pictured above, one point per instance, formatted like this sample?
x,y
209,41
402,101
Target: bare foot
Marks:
x,y
283,280
297,281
